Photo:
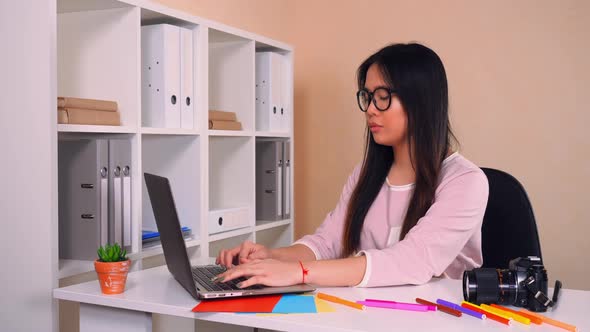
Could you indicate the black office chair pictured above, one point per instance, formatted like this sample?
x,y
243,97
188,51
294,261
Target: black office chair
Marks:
x,y
509,229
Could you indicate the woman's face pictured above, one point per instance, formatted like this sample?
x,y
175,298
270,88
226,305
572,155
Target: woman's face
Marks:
x,y
388,127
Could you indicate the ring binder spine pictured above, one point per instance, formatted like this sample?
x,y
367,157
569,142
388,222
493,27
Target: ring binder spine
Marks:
x,y
104,206
126,206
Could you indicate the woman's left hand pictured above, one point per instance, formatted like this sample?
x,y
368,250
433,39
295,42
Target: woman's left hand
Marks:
x,y
269,272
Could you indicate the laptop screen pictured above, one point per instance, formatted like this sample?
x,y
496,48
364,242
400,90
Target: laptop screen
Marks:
x,y
168,224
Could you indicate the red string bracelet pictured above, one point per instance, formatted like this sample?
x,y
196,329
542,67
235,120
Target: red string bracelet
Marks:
x,y
303,272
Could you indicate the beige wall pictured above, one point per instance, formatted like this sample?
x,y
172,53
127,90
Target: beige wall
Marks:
x,y
264,17
517,71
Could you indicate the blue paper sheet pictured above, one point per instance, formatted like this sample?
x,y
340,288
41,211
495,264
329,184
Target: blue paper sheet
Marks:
x,y
295,304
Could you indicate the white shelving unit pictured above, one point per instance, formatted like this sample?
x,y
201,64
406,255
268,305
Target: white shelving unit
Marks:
x,y
99,57
72,128
168,131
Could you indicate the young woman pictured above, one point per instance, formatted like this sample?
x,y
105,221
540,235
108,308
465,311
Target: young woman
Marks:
x,y
411,211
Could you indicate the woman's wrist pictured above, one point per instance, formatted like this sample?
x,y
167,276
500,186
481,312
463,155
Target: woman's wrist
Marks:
x,y
350,271
272,254
278,254
292,253
304,272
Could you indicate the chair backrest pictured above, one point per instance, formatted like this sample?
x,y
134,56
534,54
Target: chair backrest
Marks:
x,y
509,229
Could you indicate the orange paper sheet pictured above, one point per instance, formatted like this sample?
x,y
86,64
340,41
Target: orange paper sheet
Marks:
x,y
240,304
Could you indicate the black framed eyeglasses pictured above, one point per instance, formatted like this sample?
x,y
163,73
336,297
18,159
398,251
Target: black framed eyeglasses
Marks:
x,y
381,98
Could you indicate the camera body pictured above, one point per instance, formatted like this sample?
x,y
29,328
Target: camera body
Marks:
x,y
519,285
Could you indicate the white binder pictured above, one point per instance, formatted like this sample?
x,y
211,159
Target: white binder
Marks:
x,y
186,78
160,62
285,114
227,219
276,89
268,91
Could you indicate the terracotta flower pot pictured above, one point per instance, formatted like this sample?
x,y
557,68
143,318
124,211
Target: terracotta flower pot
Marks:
x,y
112,275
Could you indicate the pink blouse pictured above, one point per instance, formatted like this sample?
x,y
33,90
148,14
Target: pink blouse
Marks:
x,y
446,241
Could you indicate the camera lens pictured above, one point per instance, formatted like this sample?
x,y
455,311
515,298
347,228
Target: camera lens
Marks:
x,y
485,285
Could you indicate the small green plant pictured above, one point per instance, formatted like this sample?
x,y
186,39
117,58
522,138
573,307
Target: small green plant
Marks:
x,y
111,253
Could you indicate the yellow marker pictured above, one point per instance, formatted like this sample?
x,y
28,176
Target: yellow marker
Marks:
x,y
487,310
497,311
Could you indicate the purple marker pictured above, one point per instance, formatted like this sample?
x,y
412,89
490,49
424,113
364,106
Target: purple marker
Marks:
x,y
462,309
394,305
429,307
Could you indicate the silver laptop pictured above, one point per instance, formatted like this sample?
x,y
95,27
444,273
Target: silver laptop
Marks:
x,y
196,279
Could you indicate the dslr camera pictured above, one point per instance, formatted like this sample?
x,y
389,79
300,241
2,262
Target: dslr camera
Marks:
x,y
523,284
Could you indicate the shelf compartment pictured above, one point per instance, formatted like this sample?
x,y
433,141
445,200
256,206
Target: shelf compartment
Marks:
x,y
170,71
231,173
70,267
90,45
150,261
88,212
176,158
232,240
156,248
278,235
231,76
70,6
230,234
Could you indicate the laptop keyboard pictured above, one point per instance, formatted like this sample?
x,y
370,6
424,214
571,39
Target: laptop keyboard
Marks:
x,y
204,274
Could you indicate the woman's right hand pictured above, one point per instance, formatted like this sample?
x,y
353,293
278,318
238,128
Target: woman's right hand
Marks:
x,y
244,253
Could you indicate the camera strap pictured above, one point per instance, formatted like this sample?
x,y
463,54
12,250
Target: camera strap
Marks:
x,y
530,284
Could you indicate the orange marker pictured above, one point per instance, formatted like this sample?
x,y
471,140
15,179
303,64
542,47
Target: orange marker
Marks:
x,y
340,301
533,319
488,314
551,321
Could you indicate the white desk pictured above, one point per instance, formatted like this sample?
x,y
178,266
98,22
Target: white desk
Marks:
x,y
156,291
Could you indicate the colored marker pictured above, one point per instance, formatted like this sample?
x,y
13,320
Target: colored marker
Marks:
x,y
551,321
482,307
429,307
533,319
441,307
518,318
460,308
338,300
488,314
395,305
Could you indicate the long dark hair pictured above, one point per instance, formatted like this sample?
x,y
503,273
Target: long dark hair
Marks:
x,y
418,76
